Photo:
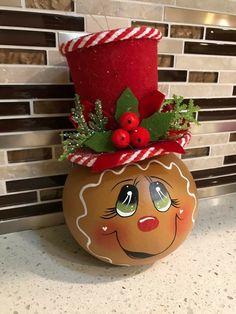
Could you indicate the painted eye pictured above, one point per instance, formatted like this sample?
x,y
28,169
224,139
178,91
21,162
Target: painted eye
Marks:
x,y
160,196
127,201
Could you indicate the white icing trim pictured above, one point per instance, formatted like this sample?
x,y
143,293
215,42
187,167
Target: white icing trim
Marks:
x,y
92,185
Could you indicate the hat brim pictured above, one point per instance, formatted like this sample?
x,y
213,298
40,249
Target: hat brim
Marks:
x,y
100,162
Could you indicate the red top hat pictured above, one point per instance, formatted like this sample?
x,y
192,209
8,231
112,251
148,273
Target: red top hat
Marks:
x,y
102,65
115,67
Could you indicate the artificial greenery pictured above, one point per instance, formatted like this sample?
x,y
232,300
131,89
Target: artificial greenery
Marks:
x,y
85,131
183,114
173,115
126,102
157,124
101,142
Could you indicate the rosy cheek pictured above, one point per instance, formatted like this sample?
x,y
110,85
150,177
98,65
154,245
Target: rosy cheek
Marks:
x,y
185,221
105,232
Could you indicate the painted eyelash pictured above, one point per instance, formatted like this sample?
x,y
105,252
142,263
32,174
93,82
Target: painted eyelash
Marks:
x,y
175,202
109,213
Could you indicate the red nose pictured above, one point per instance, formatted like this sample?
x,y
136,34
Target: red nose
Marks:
x,y
148,223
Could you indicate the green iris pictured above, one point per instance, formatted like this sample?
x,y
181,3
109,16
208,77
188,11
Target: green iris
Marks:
x,y
127,201
160,196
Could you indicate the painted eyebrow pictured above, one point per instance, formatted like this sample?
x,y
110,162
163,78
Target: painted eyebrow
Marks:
x,y
153,177
127,180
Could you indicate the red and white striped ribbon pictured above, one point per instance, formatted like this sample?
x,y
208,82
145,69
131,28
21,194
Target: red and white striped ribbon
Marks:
x,y
110,36
88,159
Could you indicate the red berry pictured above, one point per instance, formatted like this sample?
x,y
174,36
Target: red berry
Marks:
x,y
129,121
183,122
140,137
168,108
120,138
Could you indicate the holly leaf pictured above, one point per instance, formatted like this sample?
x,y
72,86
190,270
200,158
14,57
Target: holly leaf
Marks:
x,y
101,142
158,124
126,102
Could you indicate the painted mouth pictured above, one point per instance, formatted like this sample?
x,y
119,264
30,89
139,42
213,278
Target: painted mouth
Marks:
x,y
138,254
143,255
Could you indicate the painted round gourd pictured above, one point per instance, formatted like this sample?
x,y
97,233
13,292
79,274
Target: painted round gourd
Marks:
x,y
134,214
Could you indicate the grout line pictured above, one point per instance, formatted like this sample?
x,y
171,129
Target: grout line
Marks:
x,y
3,184
38,195
31,107
204,33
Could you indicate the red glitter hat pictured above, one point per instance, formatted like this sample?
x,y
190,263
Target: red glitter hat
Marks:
x,y
115,76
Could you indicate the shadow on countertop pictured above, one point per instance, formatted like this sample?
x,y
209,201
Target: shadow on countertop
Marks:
x,y
57,256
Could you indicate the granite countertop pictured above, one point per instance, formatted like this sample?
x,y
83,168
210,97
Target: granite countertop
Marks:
x,y
44,271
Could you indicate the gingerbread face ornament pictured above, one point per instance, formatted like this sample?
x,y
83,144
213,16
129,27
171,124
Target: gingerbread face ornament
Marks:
x,y
129,200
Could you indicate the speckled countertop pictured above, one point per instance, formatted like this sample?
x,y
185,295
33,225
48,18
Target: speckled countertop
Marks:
x,y
44,271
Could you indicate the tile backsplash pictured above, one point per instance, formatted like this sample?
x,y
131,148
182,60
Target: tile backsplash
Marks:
x,y
197,59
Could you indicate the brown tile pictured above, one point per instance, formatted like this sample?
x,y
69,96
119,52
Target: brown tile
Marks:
x,y
182,15
22,56
33,169
169,45
210,5
203,163
218,190
56,58
58,150
186,31
227,77
211,103
14,108
35,183
2,187
217,115
34,74
137,9
213,127
53,194
221,34
204,62
193,90
96,23
208,139
29,139
214,172
162,27
27,38
34,124
232,137
32,210
41,20
234,91
224,149
230,160
62,5
165,61
164,88
11,3
172,76
36,91
56,106
215,181
203,77
196,152
210,49
26,155
3,159
20,198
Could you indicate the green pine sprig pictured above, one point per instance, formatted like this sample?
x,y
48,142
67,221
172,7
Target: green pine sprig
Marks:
x,y
98,121
78,116
85,131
